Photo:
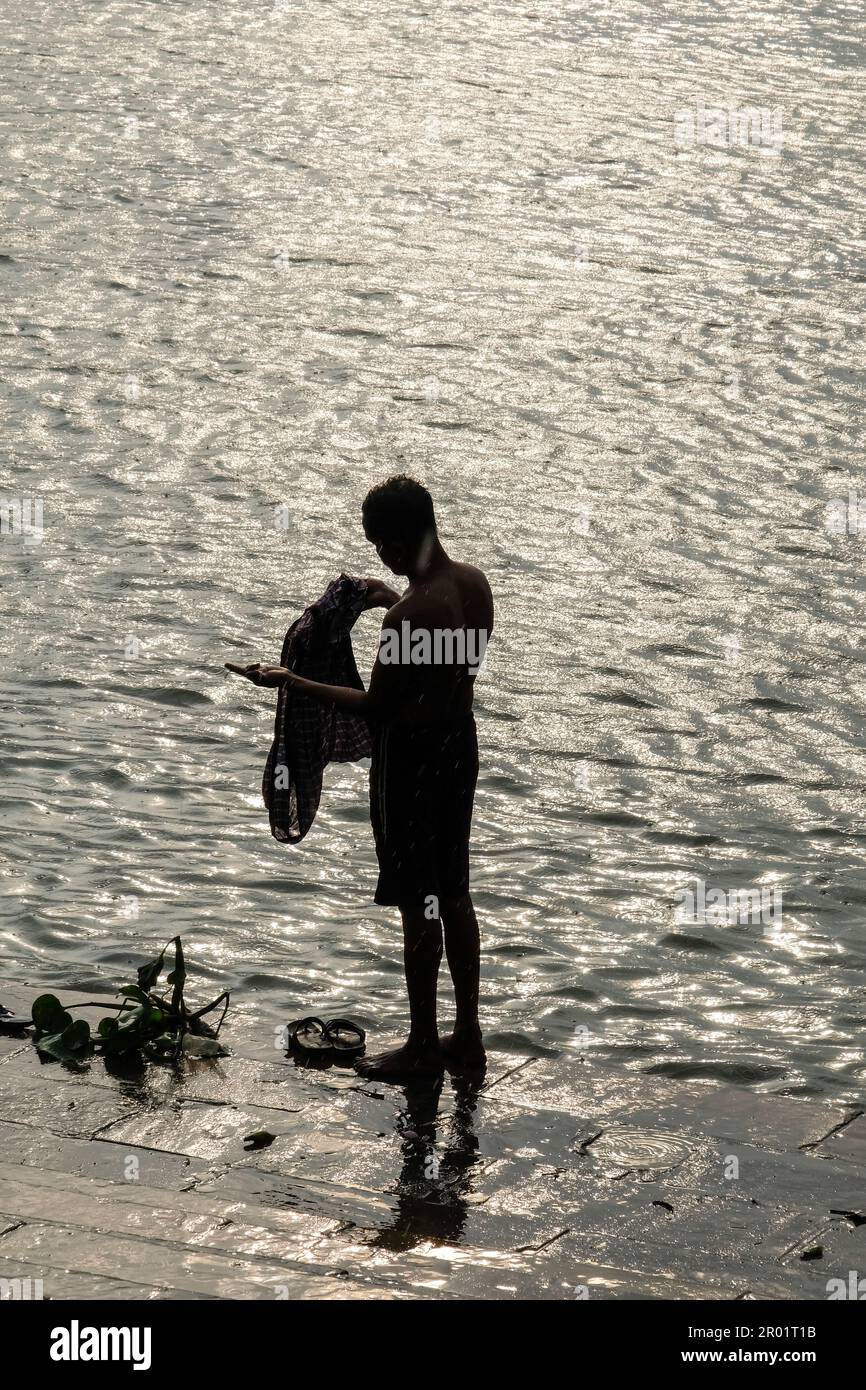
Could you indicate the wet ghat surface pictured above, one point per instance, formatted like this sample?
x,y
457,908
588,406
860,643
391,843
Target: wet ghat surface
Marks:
x,y
554,1179
258,256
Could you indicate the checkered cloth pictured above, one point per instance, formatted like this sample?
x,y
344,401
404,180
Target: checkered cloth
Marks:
x,y
308,735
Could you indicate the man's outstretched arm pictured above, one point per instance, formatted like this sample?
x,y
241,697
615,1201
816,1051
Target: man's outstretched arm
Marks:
x,y
380,701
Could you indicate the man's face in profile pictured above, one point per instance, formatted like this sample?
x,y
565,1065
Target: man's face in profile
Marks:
x,y
391,553
399,557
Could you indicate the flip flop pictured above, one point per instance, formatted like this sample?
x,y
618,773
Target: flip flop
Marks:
x,y
347,1038
312,1038
308,1036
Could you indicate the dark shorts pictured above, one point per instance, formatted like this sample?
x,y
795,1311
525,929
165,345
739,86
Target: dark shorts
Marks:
x,y
422,785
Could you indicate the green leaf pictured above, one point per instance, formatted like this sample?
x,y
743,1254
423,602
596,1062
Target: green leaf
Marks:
x,y
77,1035
136,1028
70,1045
133,1017
150,973
133,992
49,1014
223,999
51,1045
202,1047
177,978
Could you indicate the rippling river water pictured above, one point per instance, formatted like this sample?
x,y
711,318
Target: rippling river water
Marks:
x,y
259,256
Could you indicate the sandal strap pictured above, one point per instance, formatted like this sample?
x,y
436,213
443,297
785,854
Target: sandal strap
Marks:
x,y
303,1024
345,1025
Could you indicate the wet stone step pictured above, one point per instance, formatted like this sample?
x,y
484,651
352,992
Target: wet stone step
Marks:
x,y
97,1158
848,1143
184,1271
560,1178
800,1178
156,1215
585,1089
320,1142
335,1200
57,1104
580,1085
62,1284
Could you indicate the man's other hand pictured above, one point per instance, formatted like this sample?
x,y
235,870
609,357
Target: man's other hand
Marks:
x,y
380,594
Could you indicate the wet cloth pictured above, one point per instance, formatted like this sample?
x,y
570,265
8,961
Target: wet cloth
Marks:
x,y
422,786
309,735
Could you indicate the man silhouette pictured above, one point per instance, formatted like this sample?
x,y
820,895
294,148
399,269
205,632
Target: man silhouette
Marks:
x,y
424,765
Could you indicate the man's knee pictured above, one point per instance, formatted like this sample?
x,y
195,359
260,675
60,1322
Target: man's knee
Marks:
x,y
454,909
418,925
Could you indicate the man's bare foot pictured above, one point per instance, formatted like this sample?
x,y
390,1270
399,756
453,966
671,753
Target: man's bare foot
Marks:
x,y
406,1061
464,1049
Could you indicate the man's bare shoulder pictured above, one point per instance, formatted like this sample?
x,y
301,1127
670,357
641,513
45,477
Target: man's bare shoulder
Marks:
x,y
477,596
416,608
434,607
471,574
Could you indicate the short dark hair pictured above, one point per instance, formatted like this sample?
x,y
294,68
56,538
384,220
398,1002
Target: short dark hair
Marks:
x,y
398,510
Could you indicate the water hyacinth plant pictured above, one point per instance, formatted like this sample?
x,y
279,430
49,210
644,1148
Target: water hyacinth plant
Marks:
x,y
157,1024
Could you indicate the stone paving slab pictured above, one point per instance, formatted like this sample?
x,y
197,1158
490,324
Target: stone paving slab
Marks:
x,y
800,1178
709,1108
358,1206
60,1106
62,1284
319,1143
184,1271
10,1044
159,1215
849,1144
207,1131
631,1210
97,1158
479,1273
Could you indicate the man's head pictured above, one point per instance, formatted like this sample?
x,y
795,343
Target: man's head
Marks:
x,y
399,520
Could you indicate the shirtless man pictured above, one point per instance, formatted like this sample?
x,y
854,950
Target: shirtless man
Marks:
x,y
424,766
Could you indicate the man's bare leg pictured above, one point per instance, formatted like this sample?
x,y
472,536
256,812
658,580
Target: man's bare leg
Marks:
x,y
422,953
463,948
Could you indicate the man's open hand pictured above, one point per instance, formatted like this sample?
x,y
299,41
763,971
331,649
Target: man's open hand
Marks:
x,y
260,674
